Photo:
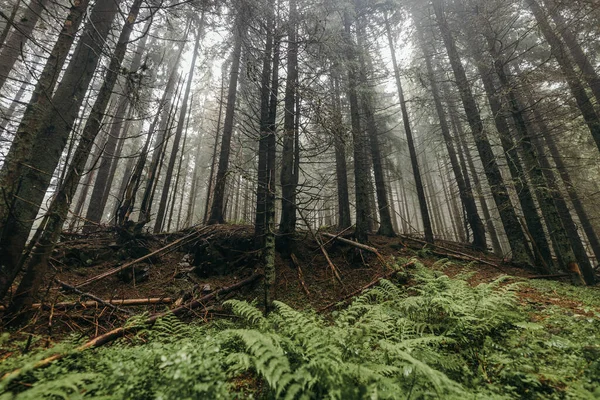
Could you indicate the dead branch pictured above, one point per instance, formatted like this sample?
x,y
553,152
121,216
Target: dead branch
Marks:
x,y
454,254
367,286
107,303
120,332
131,263
547,276
320,243
98,300
357,245
300,274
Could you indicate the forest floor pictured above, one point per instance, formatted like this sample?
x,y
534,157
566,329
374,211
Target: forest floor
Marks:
x,y
221,256
193,263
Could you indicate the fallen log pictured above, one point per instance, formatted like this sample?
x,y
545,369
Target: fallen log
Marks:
x,y
131,263
66,286
367,286
120,332
454,253
106,303
357,245
551,276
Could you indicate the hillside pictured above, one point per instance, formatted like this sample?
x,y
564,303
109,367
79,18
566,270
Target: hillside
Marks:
x,y
406,323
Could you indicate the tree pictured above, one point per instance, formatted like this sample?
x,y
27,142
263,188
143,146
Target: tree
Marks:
x,y
218,203
25,186
520,252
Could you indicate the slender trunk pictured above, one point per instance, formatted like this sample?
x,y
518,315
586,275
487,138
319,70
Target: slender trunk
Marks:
x,y
466,161
10,21
464,189
27,183
262,177
7,116
112,150
361,162
178,175
410,143
211,175
520,252
368,103
23,31
341,173
287,224
217,206
162,207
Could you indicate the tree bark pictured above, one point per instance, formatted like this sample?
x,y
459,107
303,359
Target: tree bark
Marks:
x,y
217,206
361,163
520,252
26,185
287,224
57,212
12,49
162,207
341,173
464,190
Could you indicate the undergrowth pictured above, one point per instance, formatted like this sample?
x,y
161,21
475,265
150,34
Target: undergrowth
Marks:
x,y
439,338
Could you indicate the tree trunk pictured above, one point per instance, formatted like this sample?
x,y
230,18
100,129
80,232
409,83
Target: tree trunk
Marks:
x,y
341,173
26,187
217,206
361,163
543,255
112,149
520,252
385,221
23,31
540,184
590,75
464,190
263,145
410,143
287,224
10,21
57,212
162,207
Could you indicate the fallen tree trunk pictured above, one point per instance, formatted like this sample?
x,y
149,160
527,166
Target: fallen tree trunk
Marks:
x,y
131,263
357,245
453,253
94,303
120,332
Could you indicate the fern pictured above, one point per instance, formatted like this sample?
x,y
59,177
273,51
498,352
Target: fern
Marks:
x,y
441,338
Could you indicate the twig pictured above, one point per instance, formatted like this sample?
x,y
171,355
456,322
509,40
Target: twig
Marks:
x,y
119,332
131,263
454,253
300,274
96,299
357,245
369,285
107,303
316,238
